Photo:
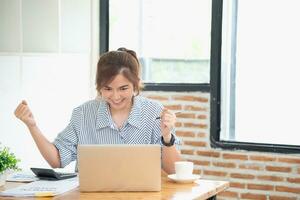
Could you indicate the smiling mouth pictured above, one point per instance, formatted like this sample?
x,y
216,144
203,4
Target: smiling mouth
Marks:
x,y
118,102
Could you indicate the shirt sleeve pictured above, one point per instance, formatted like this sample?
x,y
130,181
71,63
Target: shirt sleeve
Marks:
x,y
66,141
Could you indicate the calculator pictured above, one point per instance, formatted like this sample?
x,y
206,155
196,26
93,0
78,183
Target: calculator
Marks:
x,y
50,174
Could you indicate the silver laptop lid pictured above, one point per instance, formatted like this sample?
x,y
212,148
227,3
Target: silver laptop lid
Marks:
x,y
119,167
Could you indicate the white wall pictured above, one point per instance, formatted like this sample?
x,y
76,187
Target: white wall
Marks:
x,y
48,53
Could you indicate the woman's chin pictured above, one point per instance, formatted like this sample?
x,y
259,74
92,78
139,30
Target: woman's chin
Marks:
x,y
122,105
117,106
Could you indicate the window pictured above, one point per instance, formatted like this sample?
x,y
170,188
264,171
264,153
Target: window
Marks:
x,y
171,37
254,80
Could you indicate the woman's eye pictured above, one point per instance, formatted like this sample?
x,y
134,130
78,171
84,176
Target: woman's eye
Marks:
x,y
107,89
125,88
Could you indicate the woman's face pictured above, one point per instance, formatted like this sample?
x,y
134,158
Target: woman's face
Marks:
x,y
118,93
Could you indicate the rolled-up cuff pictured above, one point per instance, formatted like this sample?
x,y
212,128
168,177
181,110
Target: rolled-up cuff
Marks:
x,y
65,154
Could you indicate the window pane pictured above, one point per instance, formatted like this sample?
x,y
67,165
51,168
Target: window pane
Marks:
x,y
172,38
266,101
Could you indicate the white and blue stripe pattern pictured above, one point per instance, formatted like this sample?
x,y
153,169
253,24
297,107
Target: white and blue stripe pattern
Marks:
x,y
91,123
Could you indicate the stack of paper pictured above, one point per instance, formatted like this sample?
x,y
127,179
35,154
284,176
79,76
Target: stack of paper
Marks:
x,y
42,188
25,177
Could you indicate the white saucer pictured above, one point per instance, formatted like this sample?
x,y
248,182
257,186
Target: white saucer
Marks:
x,y
186,180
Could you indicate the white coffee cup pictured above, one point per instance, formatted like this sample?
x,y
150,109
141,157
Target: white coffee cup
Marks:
x,y
184,169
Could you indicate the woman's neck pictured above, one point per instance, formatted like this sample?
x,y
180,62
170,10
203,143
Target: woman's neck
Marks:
x,y
119,116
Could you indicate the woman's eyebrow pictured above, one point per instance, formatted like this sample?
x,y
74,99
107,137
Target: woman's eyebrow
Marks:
x,y
124,86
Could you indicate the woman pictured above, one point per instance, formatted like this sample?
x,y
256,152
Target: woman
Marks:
x,y
120,116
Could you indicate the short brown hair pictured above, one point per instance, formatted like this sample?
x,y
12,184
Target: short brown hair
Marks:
x,y
123,61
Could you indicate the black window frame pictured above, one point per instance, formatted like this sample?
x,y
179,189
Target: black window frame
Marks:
x,y
215,104
104,47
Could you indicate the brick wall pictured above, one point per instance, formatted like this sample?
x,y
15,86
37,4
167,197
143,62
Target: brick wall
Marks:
x,y
252,175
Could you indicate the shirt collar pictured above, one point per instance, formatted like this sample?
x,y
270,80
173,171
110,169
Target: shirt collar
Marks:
x,y
104,117
134,118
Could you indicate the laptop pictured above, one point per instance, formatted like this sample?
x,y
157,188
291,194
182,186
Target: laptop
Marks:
x,y
119,167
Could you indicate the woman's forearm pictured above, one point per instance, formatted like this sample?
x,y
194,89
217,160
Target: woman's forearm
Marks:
x,y
169,156
47,149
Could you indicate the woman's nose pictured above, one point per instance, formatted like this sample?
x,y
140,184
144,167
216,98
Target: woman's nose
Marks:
x,y
116,95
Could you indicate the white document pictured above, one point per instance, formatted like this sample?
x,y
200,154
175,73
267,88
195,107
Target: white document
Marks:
x,y
42,188
25,177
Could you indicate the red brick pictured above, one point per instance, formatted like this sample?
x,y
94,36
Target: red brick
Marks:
x,y
195,108
208,153
237,185
186,115
201,162
295,190
242,176
197,171
186,151
178,124
235,156
250,166
201,134
262,158
270,178
185,133
228,194
278,169
293,180
289,160
214,173
194,125
274,197
195,143
260,187
253,196
202,117
160,98
190,98
224,164
173,107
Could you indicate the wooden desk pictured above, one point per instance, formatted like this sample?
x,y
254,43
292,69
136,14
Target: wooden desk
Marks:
x,y
201,189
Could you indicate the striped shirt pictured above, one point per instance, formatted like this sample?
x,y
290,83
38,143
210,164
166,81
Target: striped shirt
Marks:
x,y
92,123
